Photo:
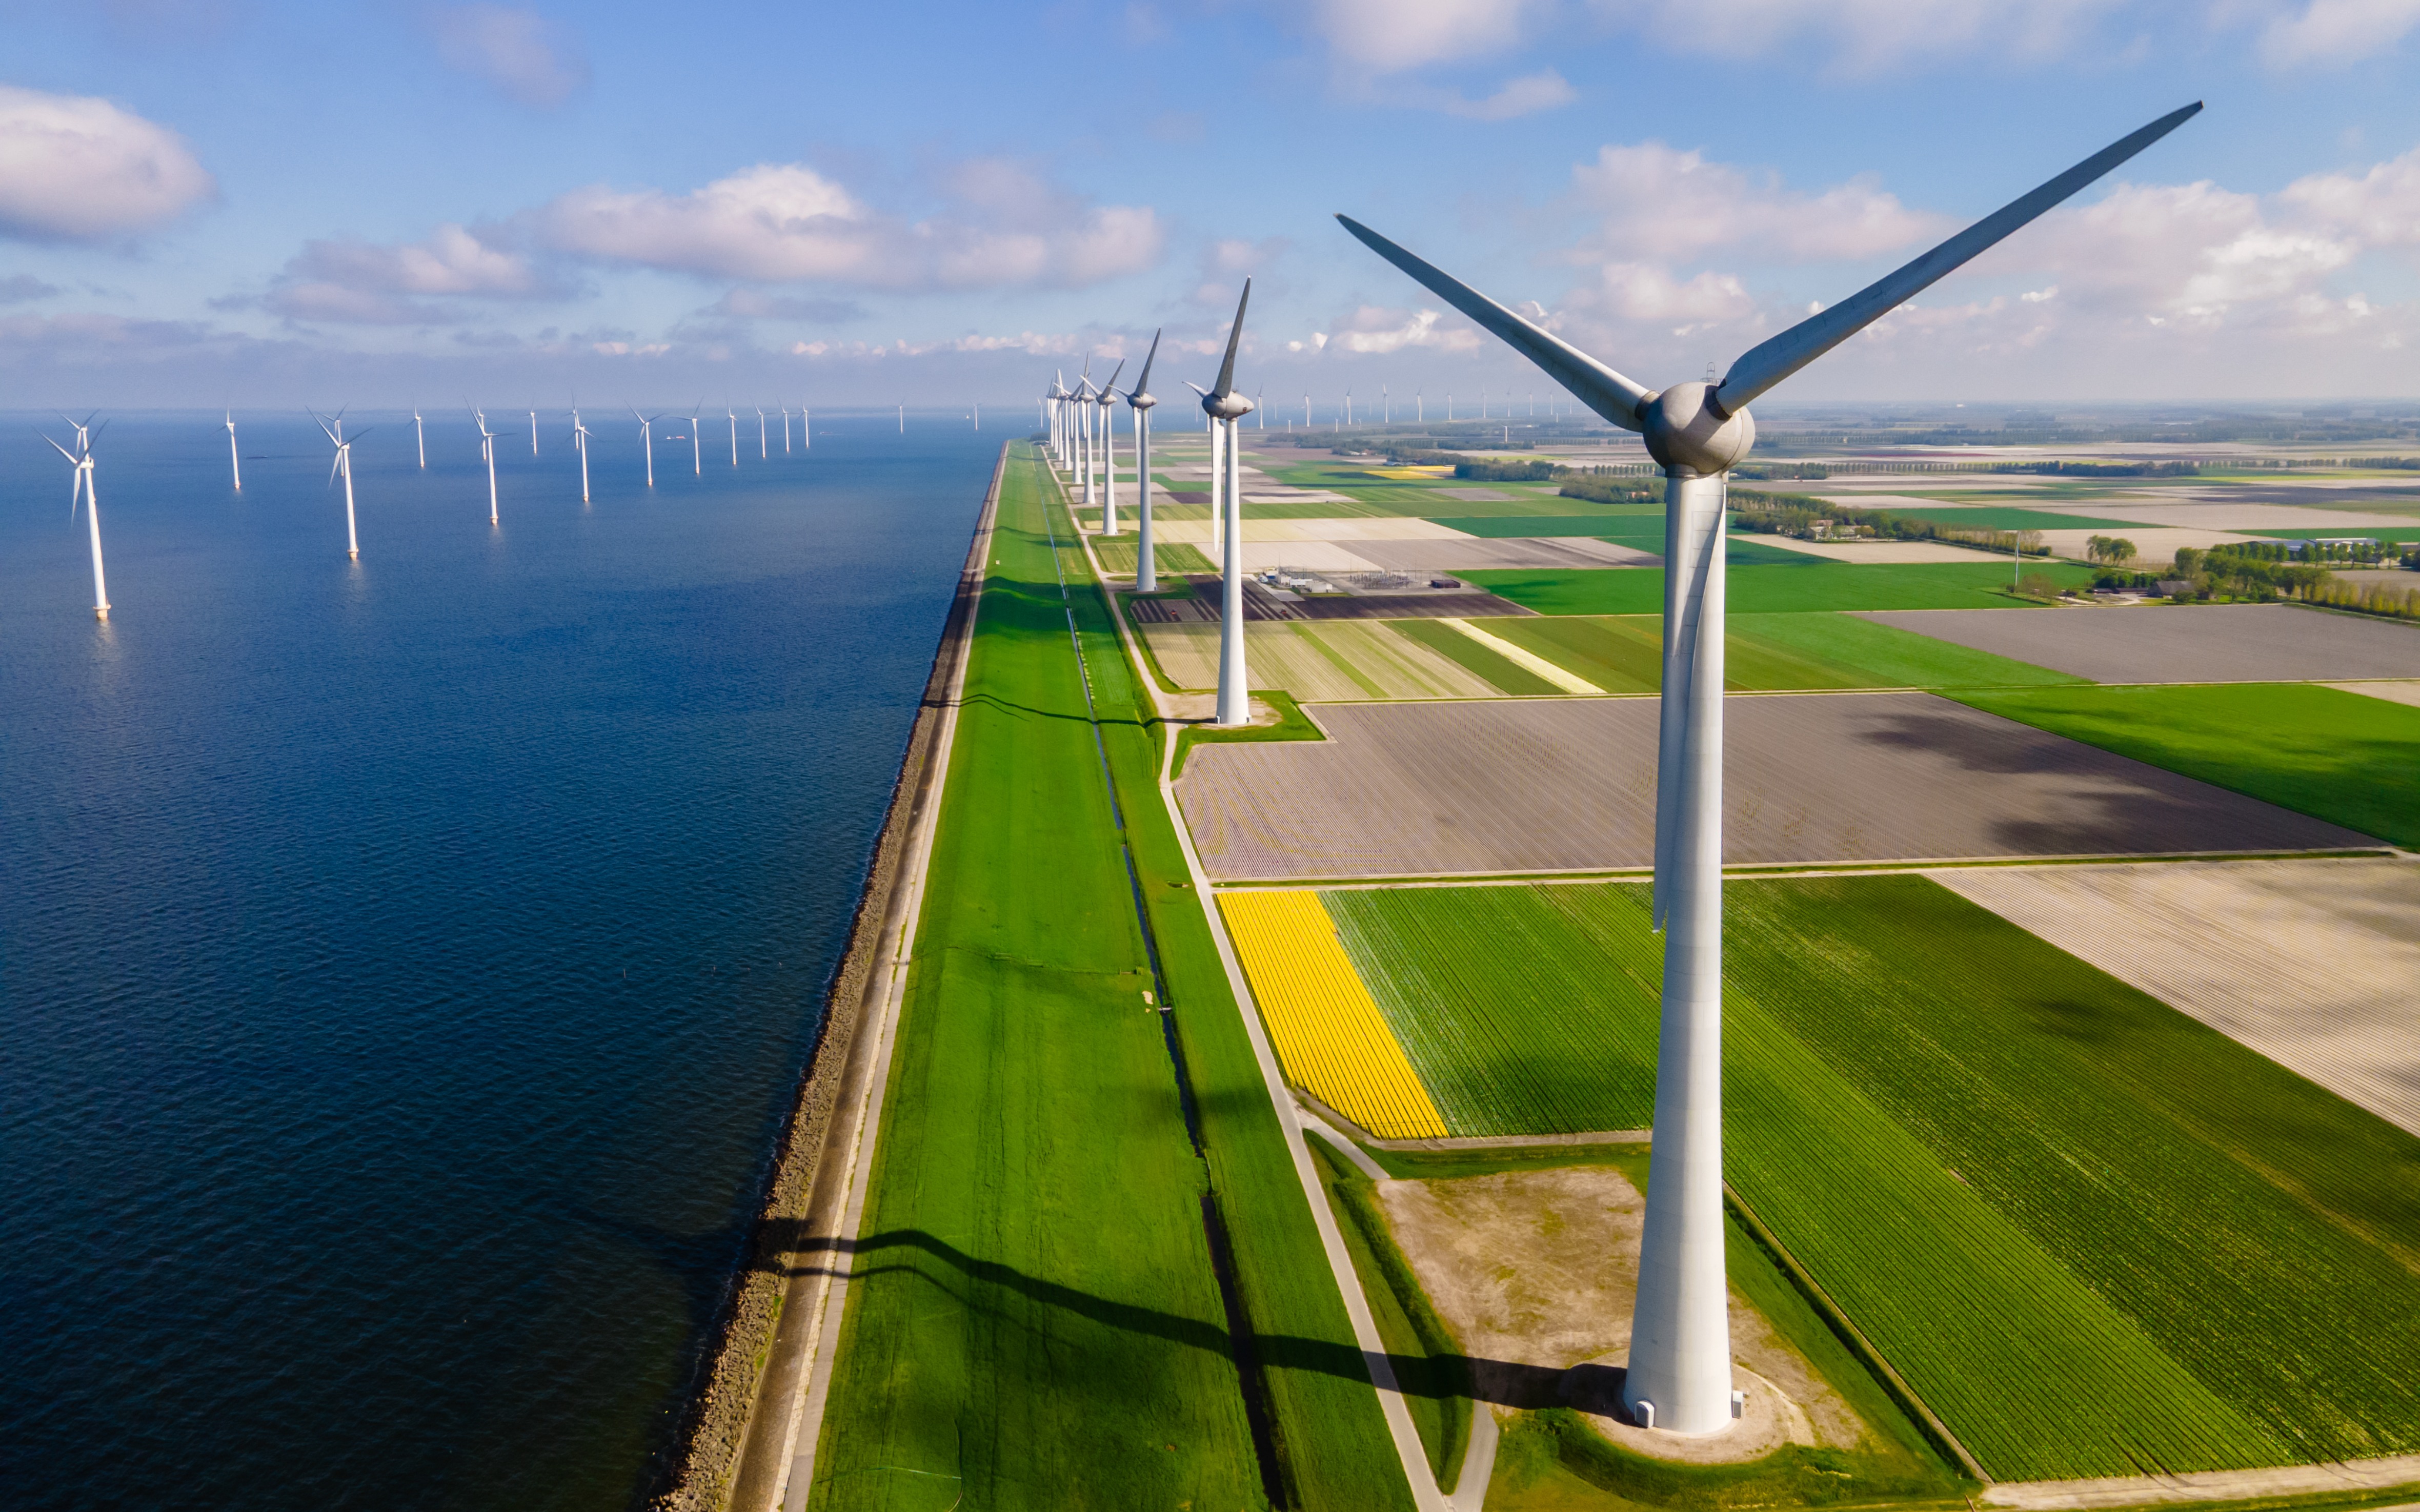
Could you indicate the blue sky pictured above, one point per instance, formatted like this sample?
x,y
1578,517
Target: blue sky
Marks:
x,y
207,201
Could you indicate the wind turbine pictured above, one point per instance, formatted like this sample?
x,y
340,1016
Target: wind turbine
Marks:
x,y
1224,407
580,442
81,489
647,440
235,458
903,417
786,430
1082,422
344,464
1348,407
806,432
1385,408
1256,406
532,414
1109,452
764,448
1138,399
420,438
1679,1370
696,455
733,415
486,449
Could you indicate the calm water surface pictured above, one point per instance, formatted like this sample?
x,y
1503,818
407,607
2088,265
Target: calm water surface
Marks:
x,y
405,965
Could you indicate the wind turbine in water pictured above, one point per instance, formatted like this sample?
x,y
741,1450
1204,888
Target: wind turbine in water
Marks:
x,y
580,442
420,438
1678,1377
1225,407
1138,399
1109,452
81,491
733,416
764,448
696,452
487,451
235,458
647,440
786,430
532,414
344,464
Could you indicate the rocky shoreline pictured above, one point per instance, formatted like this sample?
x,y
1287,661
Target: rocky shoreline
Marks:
x,y
814,1143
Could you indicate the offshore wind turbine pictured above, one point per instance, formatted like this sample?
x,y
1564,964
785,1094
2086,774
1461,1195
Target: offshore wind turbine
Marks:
x,y
647,440
1679,1376
81,490
786,430
1109,452
235,458
806,431
696,454
764,449
579,443
486,449
733,415
1138,399
532,414
344,464
1225,407
420,438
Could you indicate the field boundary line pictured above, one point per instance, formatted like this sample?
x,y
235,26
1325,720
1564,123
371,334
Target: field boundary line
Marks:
x,y
1526,659
1337,1122
1855,1338
2333,1478
795,1465
1408,1448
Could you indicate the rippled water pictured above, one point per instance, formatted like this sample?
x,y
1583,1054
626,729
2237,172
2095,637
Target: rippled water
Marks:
x,y
404,966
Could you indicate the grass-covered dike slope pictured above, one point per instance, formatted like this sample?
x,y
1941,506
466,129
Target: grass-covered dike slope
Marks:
x,y
1034,1319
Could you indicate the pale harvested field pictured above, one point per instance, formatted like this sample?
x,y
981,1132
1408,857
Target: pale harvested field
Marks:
x,y
2155,546
1344,528
2391,692
1302,658
2314,964
1569,784
1314,556
1875,551
2252,517
1472,552
2171,643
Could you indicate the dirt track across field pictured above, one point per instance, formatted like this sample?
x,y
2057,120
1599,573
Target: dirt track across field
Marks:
x,y
1569,784
2174,644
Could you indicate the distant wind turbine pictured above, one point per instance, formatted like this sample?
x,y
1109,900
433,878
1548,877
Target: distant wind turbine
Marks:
x,y
1224,407
764,448
344,464
420,438
486,449
81,489
696,453
580,442
806,432
235,459
1109,452
733,416
1679,1374
903,417
786,430
1138,399
647,440
532,414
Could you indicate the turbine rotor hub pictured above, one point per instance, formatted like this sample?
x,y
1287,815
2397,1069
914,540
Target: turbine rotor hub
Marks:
x,y
1687,434
1226,406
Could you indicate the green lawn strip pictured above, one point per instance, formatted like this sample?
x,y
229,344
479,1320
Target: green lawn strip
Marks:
x,y
985,1345
1755,589
2005,1166
1118,554
1293,724
1619,654
1429,1364
1508,676
2350,760
1335,1446
1880,655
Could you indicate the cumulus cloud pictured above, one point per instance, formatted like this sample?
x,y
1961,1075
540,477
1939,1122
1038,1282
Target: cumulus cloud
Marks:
x,y
1863,36
1390,36
2339,31
364,282
1524,95
786,222
75,168
1378,329
528,57
1657,202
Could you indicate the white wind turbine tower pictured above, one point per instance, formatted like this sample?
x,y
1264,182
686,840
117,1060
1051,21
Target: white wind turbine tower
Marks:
x,y
1110,451
1385,408
1348,407
1138,399
579,443
696,453
806,432
235,458
1680,1372
1081,421
733,416
786,430
532,414
1225,407
488,450
81,489
344,464
647,440
420,438
764,448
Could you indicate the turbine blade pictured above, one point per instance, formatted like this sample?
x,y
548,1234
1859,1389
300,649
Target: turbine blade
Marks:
x,y
323,424
1769,361
1234,334
61,450
1111,388
1599,387
1197,388
1142,384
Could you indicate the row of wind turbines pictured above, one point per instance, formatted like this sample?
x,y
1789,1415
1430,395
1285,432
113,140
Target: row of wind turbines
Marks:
x,y
86,497
1678,1377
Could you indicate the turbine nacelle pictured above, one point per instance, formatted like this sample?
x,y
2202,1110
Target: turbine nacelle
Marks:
x,y
1685,432
1228,405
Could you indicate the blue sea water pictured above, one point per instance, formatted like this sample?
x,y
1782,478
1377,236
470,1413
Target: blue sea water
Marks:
x,y
406,966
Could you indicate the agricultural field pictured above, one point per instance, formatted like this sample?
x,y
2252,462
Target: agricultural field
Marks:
x,y
2184,642
2337,756
1804,585
1988,518
2008,1168
1622,520
2206,941
1118,556
1767,652
1568,784
1319,660
1477,657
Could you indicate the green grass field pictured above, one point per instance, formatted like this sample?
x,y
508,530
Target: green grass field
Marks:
x,y
1622,521
1767,652
1037,1322
2343,757
1813,587
1118,554
2030,1185
1508,676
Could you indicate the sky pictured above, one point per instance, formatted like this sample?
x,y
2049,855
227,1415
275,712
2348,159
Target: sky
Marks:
x,y
208,202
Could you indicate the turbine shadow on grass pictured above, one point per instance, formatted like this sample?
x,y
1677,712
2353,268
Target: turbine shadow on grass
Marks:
x,y
1504,1382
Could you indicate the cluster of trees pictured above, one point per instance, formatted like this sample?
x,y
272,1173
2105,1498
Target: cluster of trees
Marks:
x,y
1806,472
2111,551
1611,488
1489,469
2101,469
1798,513
2369,598
2366,554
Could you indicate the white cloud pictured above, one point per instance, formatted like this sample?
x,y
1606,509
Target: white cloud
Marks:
x,y
530,58
1863,36
74,168
1657,202
2339,31
1373,329
1389,36
786,222
1524,95
362,283
2381,208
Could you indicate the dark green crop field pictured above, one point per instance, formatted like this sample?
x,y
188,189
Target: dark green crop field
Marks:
x,y
1767,652
1987,518
1815,586
1623,522
1034,1319
2343,757
2030,1184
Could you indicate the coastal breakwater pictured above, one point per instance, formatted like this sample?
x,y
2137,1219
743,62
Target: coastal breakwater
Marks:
x,y
735,1428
